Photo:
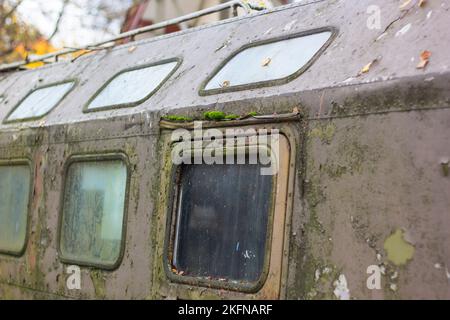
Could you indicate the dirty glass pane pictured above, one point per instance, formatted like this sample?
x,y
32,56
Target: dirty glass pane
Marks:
x,y
222,221
94,203
132,86
40,101
14,197
271,61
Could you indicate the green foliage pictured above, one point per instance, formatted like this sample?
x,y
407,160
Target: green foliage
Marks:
x,y
177,118
214,115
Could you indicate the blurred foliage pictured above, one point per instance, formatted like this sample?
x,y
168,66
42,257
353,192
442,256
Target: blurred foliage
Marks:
x,y
17,39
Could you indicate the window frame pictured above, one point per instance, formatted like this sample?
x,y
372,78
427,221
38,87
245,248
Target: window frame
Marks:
x,y
28,119
246,287
86,108
86,158
21,162
267,83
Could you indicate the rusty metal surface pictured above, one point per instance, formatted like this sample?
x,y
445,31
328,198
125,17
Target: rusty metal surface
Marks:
x,y
367,162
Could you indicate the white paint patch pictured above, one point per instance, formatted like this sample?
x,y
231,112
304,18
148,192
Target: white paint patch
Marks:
x,y
341,290
289,26
403,30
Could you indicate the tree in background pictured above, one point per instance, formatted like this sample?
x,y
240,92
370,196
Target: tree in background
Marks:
x,y
18,39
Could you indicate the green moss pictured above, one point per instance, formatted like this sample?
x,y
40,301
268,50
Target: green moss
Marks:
x,y
177,118
214,115
324,132
99,283
252,114
231,117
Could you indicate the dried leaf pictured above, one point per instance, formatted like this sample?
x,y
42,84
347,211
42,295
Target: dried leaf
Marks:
x,y
405,4
266,62
225,84
422,3
295,110
367,67
131,49
424,59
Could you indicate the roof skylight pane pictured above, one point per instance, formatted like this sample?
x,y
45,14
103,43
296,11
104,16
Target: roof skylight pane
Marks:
x,y
131,87
40,102
271,61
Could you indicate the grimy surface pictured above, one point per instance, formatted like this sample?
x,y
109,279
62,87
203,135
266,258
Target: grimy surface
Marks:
x,y
369,188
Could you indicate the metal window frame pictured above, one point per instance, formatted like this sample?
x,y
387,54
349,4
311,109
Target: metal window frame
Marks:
x,y
267,83
86,158
245,287
86,108
21,162
53,84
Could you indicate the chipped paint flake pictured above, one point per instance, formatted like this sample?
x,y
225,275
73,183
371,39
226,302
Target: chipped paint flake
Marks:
x,y
399,251
341,290
403,30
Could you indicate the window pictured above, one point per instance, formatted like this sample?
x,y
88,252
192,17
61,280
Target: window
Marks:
x,y
40,102
223,219
14,198
132,86
93,212
268,63
227,218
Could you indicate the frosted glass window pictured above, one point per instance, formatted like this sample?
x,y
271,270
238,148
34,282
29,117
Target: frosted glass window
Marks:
x,y
132,87
267,62
93,215
40,101
14,197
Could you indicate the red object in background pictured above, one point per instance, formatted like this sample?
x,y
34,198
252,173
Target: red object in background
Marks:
x,y
134,18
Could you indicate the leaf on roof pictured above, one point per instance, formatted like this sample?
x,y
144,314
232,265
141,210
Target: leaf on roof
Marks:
x,y
367,67
225,84
422,3
405,4
266,62
424,59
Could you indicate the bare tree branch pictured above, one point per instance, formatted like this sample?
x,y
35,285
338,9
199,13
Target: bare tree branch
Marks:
x,y
59,19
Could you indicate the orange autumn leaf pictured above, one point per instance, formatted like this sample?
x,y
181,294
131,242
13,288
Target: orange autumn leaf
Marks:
x,y
424,59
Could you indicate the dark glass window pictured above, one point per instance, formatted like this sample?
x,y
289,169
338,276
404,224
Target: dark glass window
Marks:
x,y
222,221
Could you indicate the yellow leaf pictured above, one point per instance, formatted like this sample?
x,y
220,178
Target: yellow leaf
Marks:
x,y
266,62
422,3
405,4
367,67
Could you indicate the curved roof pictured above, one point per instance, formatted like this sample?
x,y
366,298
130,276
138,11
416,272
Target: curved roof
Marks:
x,y
395,46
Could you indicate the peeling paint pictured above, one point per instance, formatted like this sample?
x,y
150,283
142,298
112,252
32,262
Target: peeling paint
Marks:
x,y
399,251
341,290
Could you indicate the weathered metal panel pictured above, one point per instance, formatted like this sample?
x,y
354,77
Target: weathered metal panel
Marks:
x,y
367,156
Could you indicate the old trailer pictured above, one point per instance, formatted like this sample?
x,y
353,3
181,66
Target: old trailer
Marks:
x,y
358,95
